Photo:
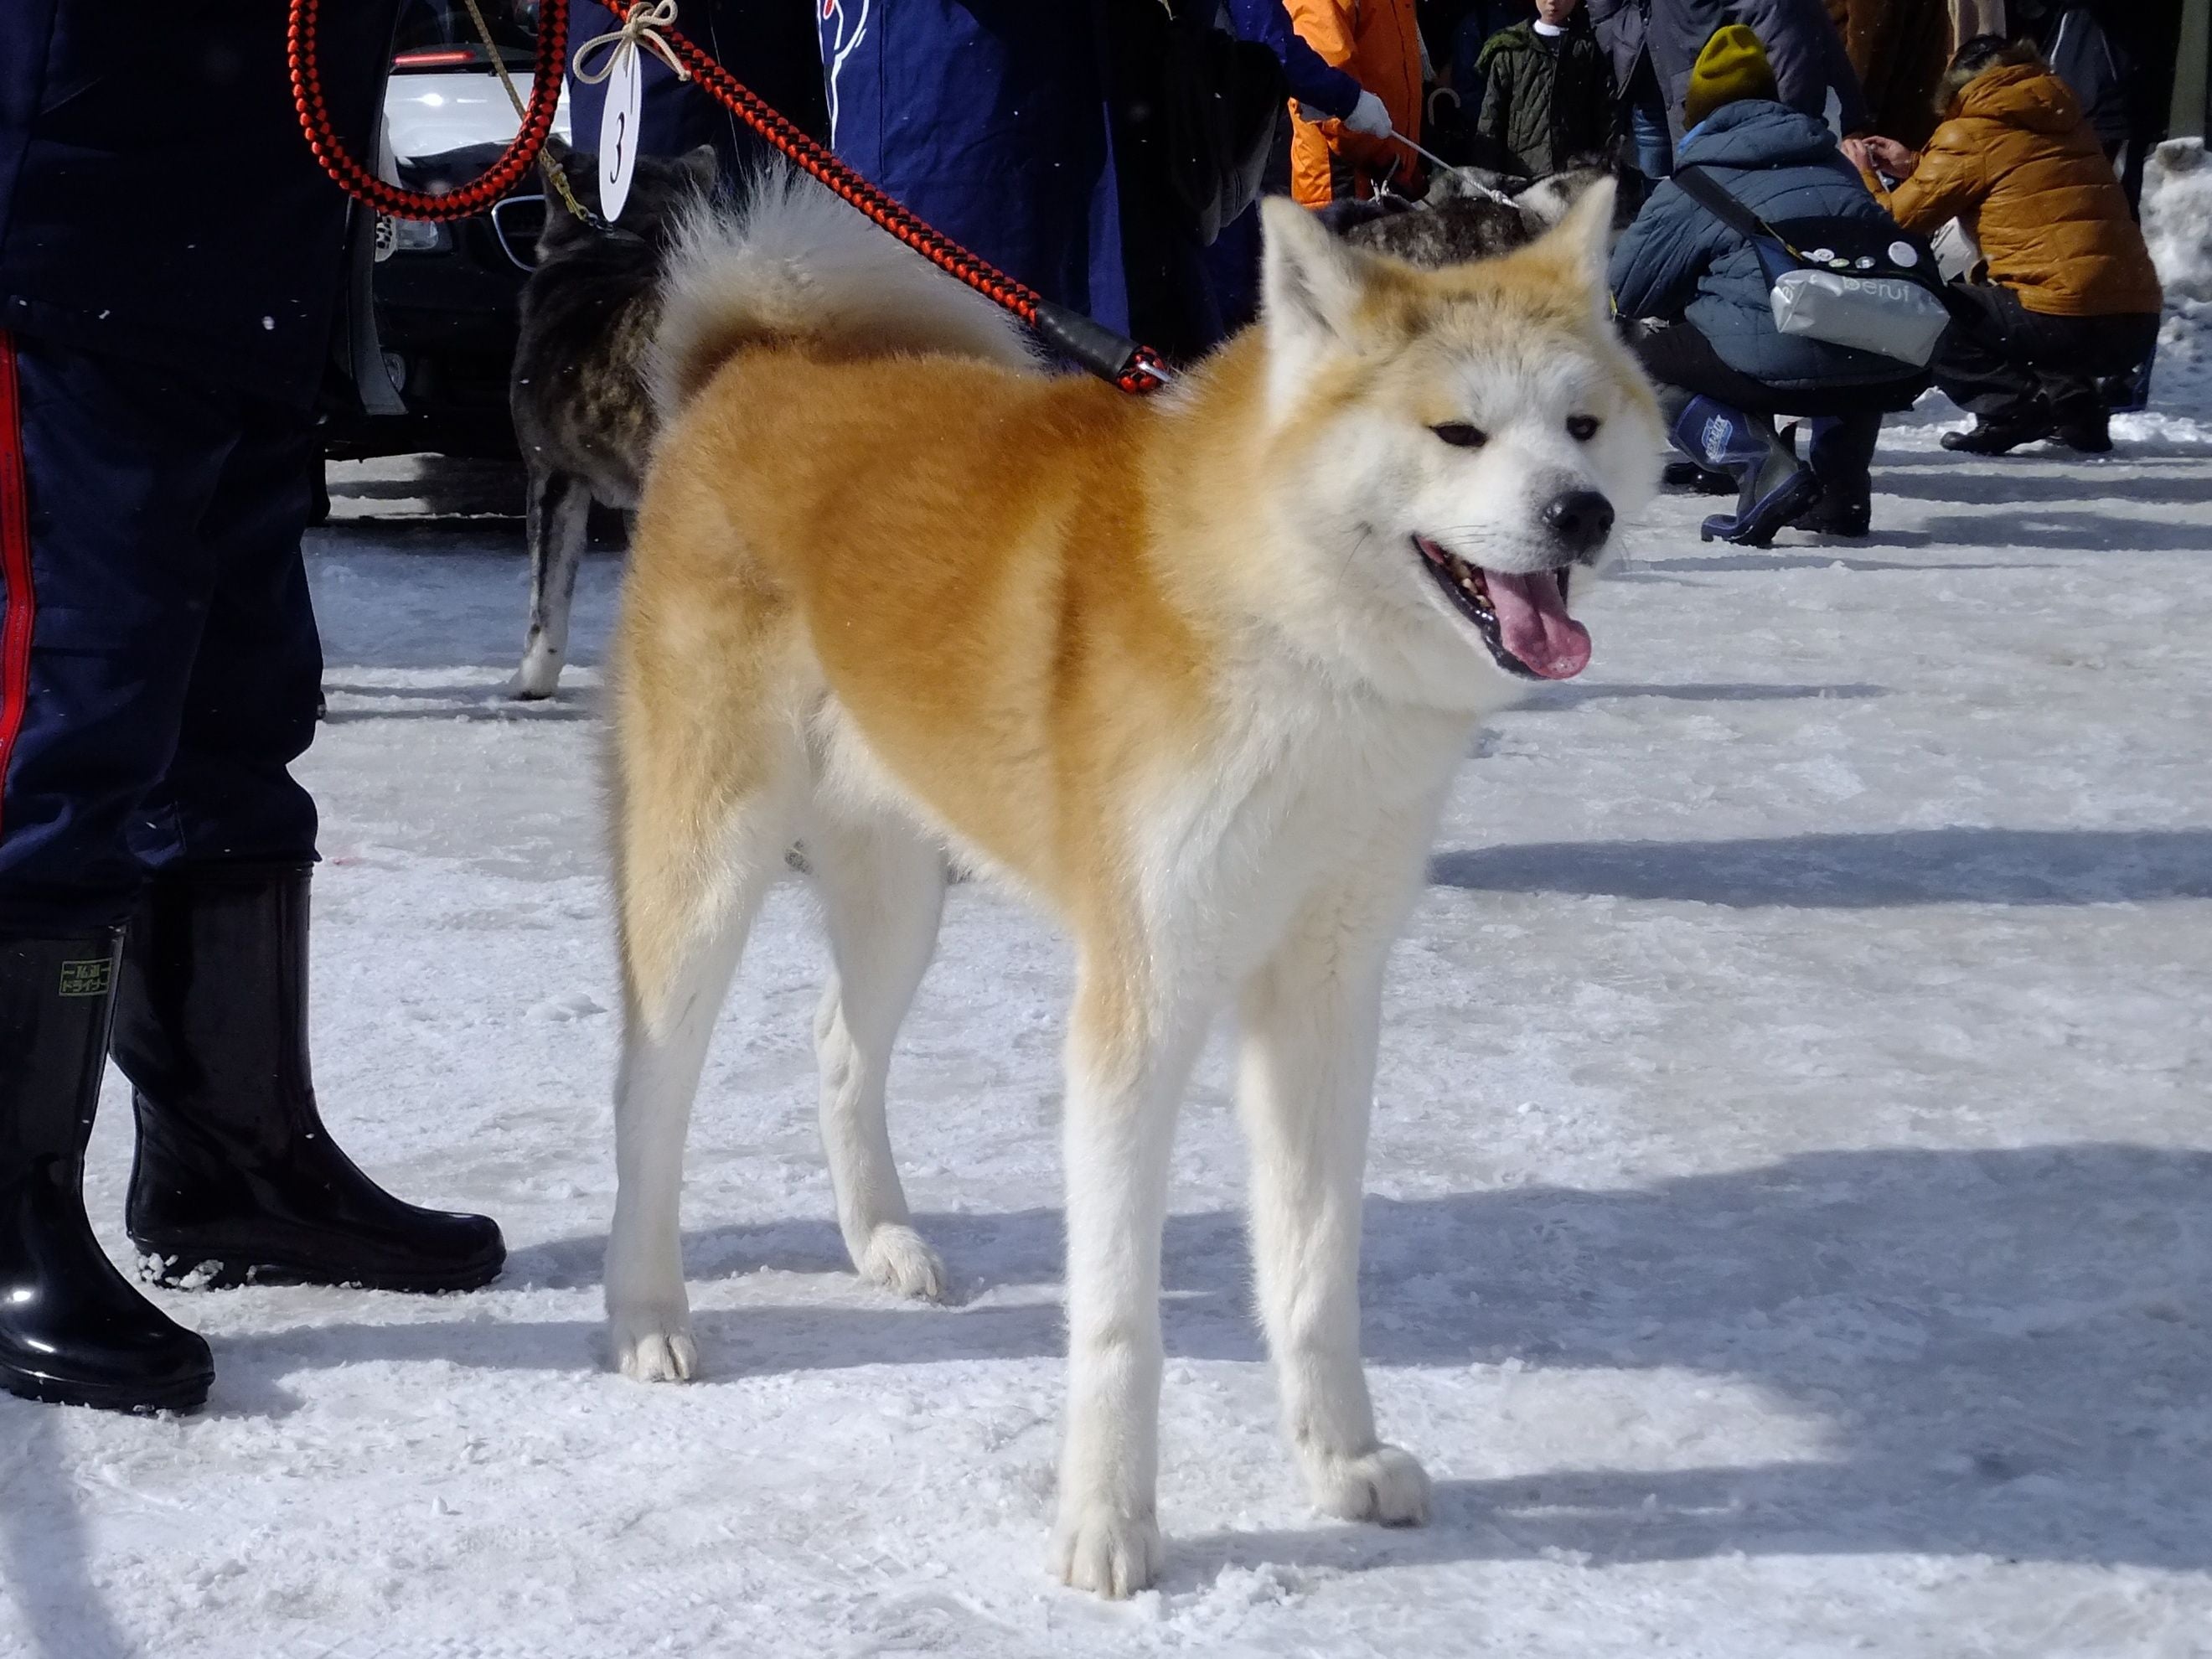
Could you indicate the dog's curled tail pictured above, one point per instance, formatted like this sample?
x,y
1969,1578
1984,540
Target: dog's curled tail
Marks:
x,y
797,263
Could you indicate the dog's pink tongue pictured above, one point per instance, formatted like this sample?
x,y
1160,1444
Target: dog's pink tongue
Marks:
x,y
1533,621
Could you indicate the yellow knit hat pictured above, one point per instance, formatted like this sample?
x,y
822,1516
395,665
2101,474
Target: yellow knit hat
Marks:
x,y
1733,65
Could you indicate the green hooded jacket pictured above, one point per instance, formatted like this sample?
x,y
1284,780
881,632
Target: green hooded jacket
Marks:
x,y
1547,101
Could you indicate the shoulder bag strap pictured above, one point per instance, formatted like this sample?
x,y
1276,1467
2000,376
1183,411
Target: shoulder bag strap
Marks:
x,y
1709,193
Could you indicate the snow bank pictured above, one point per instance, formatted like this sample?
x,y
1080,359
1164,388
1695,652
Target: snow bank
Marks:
x,y
2177,216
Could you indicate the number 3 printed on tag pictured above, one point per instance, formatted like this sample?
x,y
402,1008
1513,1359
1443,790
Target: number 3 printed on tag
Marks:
x,y
618,130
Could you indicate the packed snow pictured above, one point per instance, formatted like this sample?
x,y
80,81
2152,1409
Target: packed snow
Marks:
x,y
1790,1227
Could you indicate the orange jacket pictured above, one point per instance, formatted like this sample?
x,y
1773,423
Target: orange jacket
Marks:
x,y
2015,163
1378,44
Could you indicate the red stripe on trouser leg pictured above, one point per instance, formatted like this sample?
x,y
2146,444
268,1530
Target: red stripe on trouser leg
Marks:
x,y
18,607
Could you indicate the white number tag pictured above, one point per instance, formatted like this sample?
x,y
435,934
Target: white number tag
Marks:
x,y
618,130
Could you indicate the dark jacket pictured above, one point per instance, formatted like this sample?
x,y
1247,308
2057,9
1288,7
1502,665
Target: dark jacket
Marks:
x,y
1314,80
2082,54
1621,26
1546,100
157,200
1483,20
1800,42
989,119
1679,262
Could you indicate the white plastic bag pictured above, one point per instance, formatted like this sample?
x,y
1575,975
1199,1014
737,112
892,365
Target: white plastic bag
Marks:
x,y
1887,315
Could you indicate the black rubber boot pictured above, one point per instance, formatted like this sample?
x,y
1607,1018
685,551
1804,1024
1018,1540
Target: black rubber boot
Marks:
x,y
236,1177
2083,423
2026,422
73,1330
1840,455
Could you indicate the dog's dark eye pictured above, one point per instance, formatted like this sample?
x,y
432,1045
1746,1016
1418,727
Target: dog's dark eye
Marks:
x,y
1460,435
1582,428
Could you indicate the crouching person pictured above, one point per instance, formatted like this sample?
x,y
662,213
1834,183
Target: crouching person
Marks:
x,y
2070,297
1708,335
159,670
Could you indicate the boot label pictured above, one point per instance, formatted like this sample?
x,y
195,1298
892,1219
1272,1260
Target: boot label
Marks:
x,y
95,978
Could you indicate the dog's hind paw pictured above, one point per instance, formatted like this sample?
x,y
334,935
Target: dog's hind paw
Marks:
x,y
1388,1485
1110,1554
538,679
900,1259
653,1350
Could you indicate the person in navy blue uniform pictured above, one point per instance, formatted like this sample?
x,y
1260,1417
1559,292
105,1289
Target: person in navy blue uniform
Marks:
x,y
989,119
170,259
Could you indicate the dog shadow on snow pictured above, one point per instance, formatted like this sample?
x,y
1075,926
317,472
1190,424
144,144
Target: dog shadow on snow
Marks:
x,y
1998,1353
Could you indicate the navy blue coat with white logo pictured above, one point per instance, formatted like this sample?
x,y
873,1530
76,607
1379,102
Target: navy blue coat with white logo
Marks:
x,y
1679,262
989,119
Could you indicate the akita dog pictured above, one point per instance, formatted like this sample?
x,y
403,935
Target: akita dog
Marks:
x,y
1193,671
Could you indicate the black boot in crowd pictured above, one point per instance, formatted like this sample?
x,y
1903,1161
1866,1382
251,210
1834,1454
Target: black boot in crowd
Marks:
x,y
236,1177
1841,455
2026,422
2083,421
72,1328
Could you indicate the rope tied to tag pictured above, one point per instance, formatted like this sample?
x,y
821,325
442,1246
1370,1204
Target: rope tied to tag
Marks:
x,y
641,30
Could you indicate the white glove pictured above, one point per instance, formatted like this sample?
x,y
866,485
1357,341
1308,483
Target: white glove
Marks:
x,y
1368,116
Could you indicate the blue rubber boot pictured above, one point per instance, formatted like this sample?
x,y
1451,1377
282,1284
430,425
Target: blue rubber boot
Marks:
x,y
1772,487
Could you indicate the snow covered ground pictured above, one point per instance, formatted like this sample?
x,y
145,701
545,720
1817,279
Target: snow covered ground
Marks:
x,y
1791,1215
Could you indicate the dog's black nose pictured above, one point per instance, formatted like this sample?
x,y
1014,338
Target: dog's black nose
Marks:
x,y
1582,518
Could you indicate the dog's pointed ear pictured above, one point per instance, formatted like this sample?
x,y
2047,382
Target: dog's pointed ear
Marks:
x,y
1310,284
1584,235
703,167
1582,242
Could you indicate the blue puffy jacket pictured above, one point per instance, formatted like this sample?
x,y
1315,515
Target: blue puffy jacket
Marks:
x,y
1679,262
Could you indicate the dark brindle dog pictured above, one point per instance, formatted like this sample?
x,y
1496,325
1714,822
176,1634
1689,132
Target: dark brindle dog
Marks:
x,y
1470,213
582,415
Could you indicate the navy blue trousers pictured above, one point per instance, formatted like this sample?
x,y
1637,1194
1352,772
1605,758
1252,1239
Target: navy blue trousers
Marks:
x,y
159,664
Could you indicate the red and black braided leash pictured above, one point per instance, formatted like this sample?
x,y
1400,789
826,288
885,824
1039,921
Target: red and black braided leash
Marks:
x,y
1131,366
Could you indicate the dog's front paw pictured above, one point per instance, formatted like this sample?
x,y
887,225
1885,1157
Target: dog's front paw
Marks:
x,y
1388,1485
655,1345
899,1259
1111,1555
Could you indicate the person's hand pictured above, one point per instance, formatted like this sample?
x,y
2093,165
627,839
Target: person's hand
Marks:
x,y
1891,157
1368,116
1857,153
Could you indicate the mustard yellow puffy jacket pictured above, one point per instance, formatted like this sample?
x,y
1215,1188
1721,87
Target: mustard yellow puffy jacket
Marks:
x,y
2016,164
